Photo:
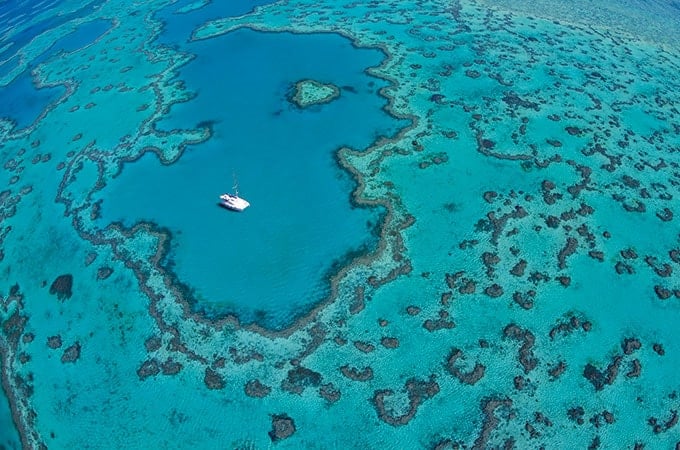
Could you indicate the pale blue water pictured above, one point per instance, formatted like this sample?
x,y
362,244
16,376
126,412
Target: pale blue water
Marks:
x,y
514,283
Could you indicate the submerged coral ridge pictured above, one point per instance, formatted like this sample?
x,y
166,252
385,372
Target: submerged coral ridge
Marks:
x,y
523,291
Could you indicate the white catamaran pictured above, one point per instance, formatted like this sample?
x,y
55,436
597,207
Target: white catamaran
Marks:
x,y
233,201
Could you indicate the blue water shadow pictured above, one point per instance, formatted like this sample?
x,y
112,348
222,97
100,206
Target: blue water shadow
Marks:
x,y
23,103
82,36
177,27
25,35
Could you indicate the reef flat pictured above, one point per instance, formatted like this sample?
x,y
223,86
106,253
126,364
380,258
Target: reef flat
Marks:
x,y
523,291
311,92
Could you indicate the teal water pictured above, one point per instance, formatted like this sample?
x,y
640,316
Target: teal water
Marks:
x,y
517,287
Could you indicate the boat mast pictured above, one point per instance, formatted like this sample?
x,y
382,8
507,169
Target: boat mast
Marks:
x,y
235,185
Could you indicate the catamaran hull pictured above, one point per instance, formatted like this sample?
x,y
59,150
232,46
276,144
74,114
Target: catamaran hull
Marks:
x,y
233,202
232,207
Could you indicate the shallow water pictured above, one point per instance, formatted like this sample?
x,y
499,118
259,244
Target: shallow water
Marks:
x,y
521,291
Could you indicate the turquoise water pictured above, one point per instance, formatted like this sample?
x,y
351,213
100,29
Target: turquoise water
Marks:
x,y
475,246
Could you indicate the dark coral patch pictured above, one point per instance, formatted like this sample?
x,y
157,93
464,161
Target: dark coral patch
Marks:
x,y
417,391
569,324
564,280
659,427
470,377
104,272
389,342
442,323
170,367
596,254
557,370
662,292
213,380
514,100
526,354
437,98
566,251
329,392
412,310
62,286
630,345
300,378
152,344
283,427
54,342
364,347
524,300
148,368
675,255
355,374
71,354
664,270
574,131
598,378
255,389
658,349
576,414
490,196
494,291
90,257
622,268
359,301
491,422
635,369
